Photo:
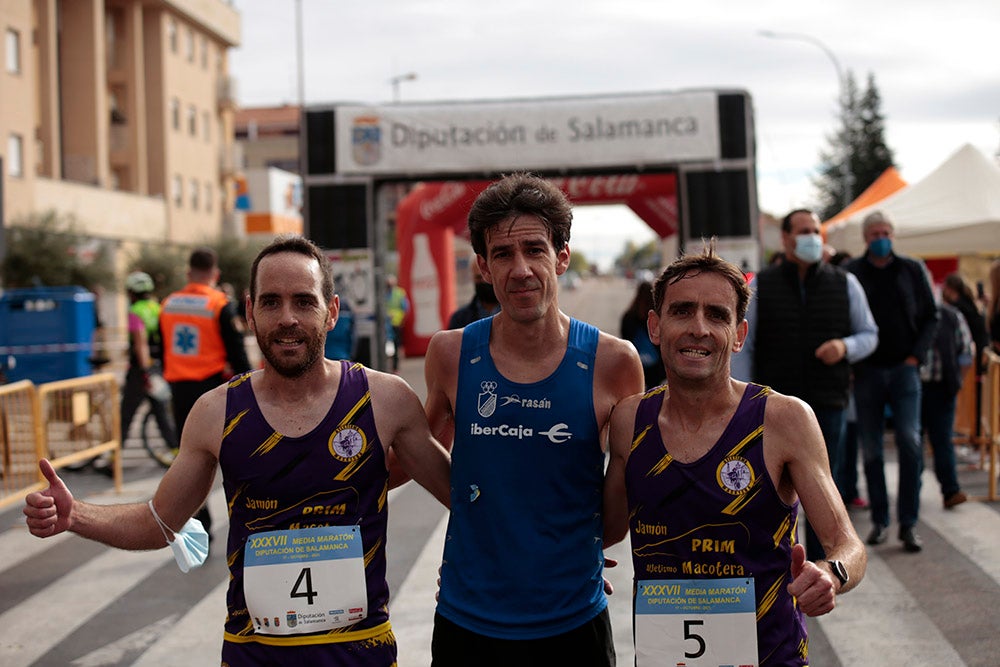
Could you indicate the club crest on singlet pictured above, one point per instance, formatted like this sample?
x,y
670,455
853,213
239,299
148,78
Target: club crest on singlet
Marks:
x,y
347,443
734,475
487,401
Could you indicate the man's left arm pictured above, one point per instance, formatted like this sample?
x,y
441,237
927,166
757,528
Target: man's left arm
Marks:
x,y
797,440
927,313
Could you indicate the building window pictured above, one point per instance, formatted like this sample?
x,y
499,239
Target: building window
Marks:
x,y
204,52
175,113
208,196
172,35
15,155
178,191
195,194
189,45
206,125
12,46
192,118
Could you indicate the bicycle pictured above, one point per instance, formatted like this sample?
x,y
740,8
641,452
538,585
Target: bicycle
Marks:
x,y
159,448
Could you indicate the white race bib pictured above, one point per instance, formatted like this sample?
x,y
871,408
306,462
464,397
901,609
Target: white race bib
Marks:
x,y
307,580
695,622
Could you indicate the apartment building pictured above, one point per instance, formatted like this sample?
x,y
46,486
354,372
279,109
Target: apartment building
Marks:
x,y
120,112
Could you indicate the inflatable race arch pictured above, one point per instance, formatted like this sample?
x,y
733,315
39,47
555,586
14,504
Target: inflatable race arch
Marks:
x,y
683,162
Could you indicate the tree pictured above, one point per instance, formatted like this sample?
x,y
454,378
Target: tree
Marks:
x,y
48,250
635,258
862,136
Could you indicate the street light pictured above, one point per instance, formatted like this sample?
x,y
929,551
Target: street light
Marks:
x,y
845,165
409,76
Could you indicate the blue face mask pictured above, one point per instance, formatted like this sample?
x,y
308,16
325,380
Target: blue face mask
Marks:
x,y
190,543
809,248
880,247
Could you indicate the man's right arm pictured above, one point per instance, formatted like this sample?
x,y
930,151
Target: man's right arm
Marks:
x,y
181,492
441,378
615,497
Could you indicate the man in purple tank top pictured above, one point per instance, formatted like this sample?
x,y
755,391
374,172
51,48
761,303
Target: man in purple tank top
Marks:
x,y
707,474
304,447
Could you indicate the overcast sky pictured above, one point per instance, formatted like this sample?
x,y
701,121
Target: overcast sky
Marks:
x,y
937,65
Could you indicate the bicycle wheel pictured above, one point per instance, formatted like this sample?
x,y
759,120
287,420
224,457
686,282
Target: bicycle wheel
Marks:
x,y
162,451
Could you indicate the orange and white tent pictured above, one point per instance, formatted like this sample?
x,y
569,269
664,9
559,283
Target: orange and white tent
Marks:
x,y
954,210
888,183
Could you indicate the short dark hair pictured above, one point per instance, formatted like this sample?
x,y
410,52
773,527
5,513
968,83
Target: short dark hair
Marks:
x,y
203,259
517,195
706,262
786,222
302,246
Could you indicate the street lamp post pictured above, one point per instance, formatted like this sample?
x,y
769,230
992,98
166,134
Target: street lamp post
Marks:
x,y
395,81
845,162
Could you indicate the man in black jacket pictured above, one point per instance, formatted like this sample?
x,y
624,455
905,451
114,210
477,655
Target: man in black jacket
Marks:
x,y
900,296
808,321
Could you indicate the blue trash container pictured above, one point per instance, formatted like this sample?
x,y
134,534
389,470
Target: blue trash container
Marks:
x,y
46,333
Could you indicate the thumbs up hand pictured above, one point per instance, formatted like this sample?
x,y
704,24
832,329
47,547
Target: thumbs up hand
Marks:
x,y
49,511
812,583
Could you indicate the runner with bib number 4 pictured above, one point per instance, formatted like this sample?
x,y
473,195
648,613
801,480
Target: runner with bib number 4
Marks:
x,y
305,447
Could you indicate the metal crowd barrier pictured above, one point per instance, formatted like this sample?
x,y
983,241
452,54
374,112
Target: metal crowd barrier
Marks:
x,y
68,421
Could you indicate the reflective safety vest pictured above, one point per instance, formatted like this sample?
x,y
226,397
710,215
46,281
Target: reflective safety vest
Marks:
x,y
189,327
148,311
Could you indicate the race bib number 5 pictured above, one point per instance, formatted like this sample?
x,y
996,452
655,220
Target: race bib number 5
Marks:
x,y
695,622
308,580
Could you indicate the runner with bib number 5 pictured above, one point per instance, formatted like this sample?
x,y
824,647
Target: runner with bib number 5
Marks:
x,y
706,474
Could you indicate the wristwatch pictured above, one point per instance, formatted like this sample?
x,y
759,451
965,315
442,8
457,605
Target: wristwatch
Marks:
x,y
839,571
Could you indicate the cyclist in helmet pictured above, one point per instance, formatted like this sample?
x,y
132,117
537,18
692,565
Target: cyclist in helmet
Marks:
x,y
144,353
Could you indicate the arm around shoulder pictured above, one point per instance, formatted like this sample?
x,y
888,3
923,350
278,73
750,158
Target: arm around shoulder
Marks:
x,y
615,493
400,420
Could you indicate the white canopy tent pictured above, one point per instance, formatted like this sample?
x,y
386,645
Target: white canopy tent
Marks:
x,y
954,210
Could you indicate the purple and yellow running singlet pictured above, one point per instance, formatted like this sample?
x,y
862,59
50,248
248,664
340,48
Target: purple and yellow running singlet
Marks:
x,y
307,532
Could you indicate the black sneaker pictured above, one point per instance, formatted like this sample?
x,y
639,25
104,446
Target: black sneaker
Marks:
x,y
878,535
911,542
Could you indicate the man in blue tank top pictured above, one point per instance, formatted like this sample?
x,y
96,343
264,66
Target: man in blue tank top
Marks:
x,y
303,447
524,398
707,474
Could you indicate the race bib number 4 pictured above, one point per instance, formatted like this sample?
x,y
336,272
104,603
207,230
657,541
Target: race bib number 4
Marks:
x,y
695,622
308,580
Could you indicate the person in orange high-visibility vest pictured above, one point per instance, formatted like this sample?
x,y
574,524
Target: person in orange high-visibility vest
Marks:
x,y
202,346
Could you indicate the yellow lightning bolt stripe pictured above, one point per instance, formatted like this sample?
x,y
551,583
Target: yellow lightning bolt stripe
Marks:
x,y
782,530
268,444
769,598
236,496
370,554
362,404
233,423
739,502
639,438
352,468
237,381
660,465
383,497
745,442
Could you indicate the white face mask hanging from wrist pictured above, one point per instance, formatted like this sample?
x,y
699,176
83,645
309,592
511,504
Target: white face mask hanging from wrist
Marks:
x,y
190,543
